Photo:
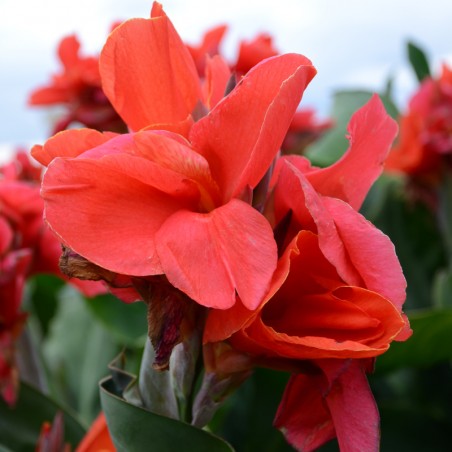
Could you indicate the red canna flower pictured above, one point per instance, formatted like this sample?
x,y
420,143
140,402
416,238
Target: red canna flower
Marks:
x,y
78,88
425,144
156,202
253,51
27,247
97,438
337,293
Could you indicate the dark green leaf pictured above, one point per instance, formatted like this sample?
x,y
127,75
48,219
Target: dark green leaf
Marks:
x,y
333,144
134,429
246,419
126,322
43,297
430,343
418,61
20,426
77,352
442,289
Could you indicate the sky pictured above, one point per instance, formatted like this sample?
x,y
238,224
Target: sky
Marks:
x,y
352,43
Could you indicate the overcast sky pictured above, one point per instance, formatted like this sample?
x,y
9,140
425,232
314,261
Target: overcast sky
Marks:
x,y
353,43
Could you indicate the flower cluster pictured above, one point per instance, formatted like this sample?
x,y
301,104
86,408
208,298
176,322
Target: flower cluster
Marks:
x,y
78,89
27,247
195,206
425,143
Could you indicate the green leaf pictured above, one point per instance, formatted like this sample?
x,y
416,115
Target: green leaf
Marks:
x,y
77,352
246,419
333,144
20,426
134,429
126,322
418,61
429,344
43,298
442,289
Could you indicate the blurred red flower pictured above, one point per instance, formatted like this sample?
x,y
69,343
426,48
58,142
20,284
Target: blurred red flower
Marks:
x,y
424,148
78,88
27,247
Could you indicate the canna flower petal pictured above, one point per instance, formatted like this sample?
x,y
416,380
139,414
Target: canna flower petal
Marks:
x,y
216,256
240,151
371,252
218,75
316,408
115,211
69,143
371,133
166,87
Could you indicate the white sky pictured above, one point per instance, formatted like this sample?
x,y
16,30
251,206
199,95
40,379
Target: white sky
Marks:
x,y
353,43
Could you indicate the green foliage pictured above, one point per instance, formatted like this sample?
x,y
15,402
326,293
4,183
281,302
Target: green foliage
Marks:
x,y
20,426
127,323
418,61
134,429
77,352
430,343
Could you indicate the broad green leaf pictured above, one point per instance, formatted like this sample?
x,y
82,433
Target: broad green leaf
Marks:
x,y
126,322
442,289
246,419
77,352
429,344
134,429
418,61
20,426
333,144
43,299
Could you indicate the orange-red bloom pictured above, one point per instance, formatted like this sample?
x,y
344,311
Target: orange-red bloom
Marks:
x,y
78,88
425,143
156,202
97,439
27,247
338,290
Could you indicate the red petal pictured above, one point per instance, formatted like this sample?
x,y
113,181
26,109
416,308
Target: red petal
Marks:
x,y
113,213
352,406
302,415
242,134
293,191
217,78
147,72
371,131
371,252
68,51
213,256
69,143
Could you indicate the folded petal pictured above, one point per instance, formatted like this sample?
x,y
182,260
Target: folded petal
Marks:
x,y
69,143
352,406
218,75
371,133
216,256
294,192
242,134
302,415
113,214
147,72
337,402
372,252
